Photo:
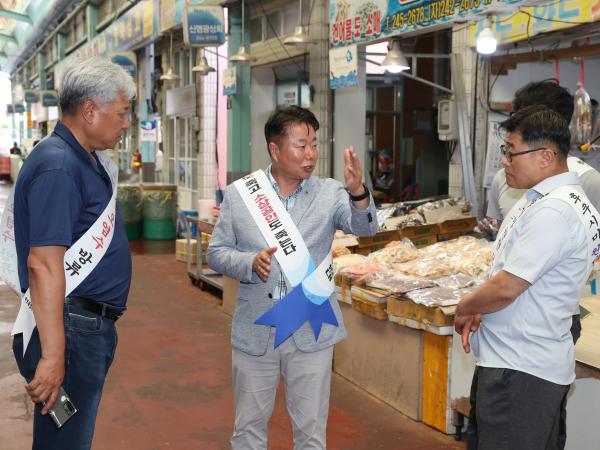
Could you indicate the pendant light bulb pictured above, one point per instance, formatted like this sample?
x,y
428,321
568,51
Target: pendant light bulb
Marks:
x,y
486,40
170,75
395,61
203,68
243,57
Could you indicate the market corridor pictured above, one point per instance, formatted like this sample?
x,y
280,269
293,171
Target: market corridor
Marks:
x,y
169,387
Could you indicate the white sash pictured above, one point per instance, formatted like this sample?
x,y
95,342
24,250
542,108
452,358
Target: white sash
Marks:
x,y
578,166
279,231
587,213
80,259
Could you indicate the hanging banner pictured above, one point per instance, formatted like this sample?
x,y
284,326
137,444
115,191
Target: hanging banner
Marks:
x,y
203,26
343,67
229,81
129,31
168,15
544,18
148,130
355,21
49,98
31,96
127,60
19,108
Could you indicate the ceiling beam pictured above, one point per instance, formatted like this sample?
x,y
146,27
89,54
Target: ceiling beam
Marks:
x,y
15,16
8,37
547,55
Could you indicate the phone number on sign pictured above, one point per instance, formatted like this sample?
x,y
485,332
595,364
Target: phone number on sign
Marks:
x,y
425,15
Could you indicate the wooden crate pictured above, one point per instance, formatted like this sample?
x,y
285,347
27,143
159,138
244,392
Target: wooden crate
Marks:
x,y
369,302
458,225
406,308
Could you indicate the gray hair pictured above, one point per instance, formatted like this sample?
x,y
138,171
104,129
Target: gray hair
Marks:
x,y
96,79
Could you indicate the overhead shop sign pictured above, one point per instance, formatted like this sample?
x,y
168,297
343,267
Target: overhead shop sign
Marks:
x,y
544,18
203,26
127,32
31,96
19,108
10,109
168,16
49,98
343,67
127,60
357,21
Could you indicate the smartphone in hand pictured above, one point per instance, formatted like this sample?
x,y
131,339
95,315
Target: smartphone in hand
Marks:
x,y
63,409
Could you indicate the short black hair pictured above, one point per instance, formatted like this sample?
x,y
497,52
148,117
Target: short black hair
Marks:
x,y
540,125
548,93
283,117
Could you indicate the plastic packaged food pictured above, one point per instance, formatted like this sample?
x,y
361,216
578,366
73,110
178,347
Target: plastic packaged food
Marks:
x,y
581,121
395,252
438,296
393,282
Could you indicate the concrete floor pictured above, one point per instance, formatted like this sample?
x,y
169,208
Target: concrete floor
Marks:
x,y
169,387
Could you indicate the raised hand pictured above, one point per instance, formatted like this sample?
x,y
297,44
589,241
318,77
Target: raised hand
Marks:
x,y
352,172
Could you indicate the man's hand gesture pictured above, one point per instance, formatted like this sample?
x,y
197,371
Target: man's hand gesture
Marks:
x,y
353,172
261,264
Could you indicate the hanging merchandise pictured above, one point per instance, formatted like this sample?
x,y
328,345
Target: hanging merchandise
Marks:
x,y
137,160
581,122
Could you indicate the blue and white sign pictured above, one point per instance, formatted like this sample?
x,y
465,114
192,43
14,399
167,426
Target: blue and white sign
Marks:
x,y
148,130
343,67
229,81
203,26
127,60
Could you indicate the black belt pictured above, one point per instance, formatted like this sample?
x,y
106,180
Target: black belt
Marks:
x,y
102,309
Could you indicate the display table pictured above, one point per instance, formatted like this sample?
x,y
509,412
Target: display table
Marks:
x,y
382,358
200,274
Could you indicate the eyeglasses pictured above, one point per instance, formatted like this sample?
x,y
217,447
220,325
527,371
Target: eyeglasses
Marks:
x,y
510,155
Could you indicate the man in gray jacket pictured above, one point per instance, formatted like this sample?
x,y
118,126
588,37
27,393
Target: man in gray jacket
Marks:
x,y
318,207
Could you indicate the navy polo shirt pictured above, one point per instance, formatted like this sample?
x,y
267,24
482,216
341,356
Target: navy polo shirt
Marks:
x,y
60,192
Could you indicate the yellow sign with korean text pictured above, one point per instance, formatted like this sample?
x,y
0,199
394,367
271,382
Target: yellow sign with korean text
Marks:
x,y
533,20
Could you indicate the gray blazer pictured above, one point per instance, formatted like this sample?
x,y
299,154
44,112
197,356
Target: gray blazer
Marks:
x,y
322,207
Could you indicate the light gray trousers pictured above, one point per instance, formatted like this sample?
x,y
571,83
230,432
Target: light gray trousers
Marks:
x,y
307,378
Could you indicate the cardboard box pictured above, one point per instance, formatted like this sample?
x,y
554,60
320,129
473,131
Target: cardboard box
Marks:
x,y
181,251
418,231
457,225
440,215
381,238
370,302
343,286
406,308
424,241
450,236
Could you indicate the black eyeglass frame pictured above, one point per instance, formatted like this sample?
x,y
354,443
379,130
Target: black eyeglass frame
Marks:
x,y
509,155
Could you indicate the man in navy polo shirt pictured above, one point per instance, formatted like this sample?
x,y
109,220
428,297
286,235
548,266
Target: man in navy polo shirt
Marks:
x,y
61,191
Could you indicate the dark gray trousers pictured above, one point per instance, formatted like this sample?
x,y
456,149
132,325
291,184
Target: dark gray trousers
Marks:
x,y
515,411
